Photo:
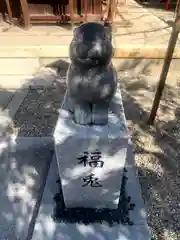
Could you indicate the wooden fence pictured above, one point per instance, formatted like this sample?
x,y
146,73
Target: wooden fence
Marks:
x,y
56,10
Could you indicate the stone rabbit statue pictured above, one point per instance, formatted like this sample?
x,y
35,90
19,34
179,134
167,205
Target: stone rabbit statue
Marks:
x,y
91,78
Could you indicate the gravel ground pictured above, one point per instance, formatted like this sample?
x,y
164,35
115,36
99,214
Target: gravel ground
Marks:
x,y
156,152
155,148
38,114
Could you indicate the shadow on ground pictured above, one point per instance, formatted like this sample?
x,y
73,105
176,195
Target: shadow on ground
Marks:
x,y
156,151
155,148
24,167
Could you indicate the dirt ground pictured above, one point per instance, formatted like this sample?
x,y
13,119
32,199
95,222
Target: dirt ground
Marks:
x,y
157,155
156,148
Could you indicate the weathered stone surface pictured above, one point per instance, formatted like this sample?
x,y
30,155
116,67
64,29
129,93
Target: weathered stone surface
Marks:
x,y
138,215
91,78
82,114
73,140
92,85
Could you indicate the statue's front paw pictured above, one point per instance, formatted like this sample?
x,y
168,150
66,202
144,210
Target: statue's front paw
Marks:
x,y
100,113
82,114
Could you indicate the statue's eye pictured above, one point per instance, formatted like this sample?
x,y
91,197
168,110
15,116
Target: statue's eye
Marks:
x,y
78,38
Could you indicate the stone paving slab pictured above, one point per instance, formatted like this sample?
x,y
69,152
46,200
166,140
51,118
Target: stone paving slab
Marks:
x,y
39,78
14,81
145,36
46,228
24,163
5,98
138,216
9,105
16,101
19,66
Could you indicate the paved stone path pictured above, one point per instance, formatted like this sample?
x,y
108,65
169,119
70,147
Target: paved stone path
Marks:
x,y
142,34
23,171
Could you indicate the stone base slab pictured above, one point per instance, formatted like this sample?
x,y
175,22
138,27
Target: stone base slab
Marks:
x,y
45,227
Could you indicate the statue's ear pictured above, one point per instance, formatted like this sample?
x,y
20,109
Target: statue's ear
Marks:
x,y
75,31
108,30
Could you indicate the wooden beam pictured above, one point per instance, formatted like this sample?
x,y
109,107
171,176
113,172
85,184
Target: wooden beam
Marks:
x,y
25,13
9,10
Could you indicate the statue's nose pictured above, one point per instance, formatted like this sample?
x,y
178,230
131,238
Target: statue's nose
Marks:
x,y
97,47
89,50
95,51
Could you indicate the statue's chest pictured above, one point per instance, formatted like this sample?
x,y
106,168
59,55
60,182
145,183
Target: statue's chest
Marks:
x,y
91,73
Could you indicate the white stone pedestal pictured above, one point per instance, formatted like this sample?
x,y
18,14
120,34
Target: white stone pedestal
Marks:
x,y
91,158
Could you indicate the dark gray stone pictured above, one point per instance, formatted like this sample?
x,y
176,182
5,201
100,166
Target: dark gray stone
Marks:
x,y
100,113
91,45
91,78
69,102
116,121
92,85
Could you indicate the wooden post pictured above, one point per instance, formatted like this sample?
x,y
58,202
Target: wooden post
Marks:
x,y
9,10
25,13
85,10
71,9
166,65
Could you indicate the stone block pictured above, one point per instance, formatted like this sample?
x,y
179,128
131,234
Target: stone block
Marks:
x,y
19,66
91,158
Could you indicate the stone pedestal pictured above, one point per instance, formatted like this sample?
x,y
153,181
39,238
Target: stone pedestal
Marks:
x,y
91,158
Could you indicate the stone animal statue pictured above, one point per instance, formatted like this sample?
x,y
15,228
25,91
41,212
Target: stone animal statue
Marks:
x,y
91,78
